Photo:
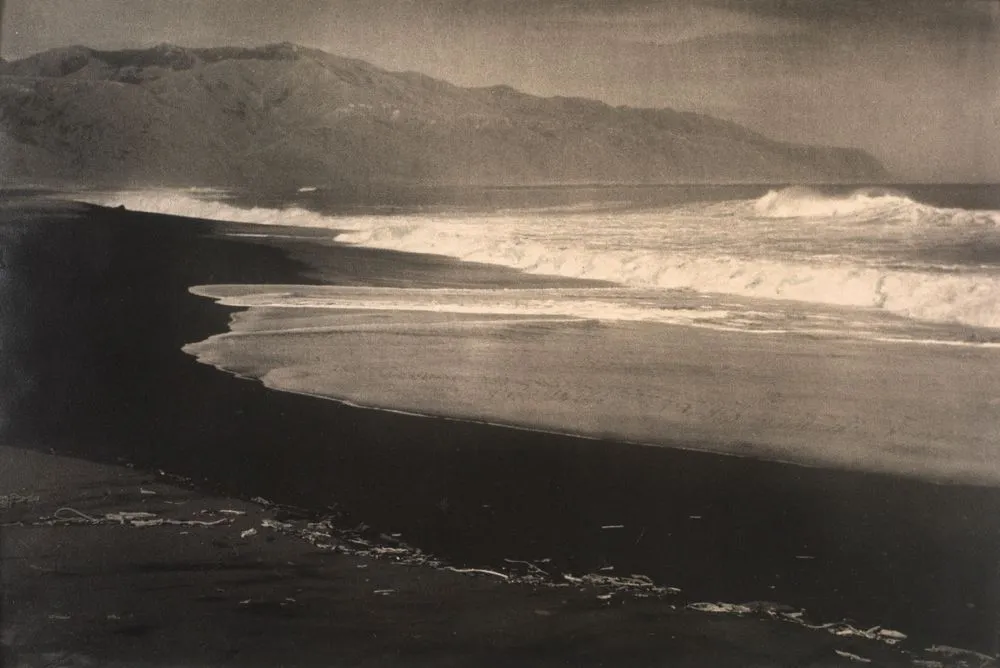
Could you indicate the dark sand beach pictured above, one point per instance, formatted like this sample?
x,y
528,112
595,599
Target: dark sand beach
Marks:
x,y
215,584
97,308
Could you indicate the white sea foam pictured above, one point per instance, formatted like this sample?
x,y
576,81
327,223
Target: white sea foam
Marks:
x,y
870,249
548,305
577,304
799,202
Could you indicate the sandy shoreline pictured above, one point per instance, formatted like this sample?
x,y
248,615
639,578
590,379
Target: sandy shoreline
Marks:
x,y
95,369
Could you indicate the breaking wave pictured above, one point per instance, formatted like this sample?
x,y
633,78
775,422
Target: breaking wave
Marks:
x,y
798,202
968,299
883,205
792,244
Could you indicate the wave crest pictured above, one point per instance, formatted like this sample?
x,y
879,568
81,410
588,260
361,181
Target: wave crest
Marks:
x,y
801,202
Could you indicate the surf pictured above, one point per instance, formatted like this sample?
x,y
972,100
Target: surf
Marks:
x,y
801,202
868,248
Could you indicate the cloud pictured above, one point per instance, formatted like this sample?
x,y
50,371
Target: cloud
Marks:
x,y
929,16
658,24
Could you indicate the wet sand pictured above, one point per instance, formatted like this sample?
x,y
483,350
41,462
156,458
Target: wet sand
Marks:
x,y
917,410
95,368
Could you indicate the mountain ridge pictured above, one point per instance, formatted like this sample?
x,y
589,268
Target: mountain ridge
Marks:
x,y
292,115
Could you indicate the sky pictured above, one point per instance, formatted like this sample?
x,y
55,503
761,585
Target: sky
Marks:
x,y
915,82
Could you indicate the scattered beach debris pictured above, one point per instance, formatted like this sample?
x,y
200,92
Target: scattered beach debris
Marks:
x,y
982,660
771,608
123,517
533,568
62,512
389,550
319,534
362,541
852,657
59,618
639,585
173,476
146,523
720,608
139,519
482,571
786,613
844,630
196,523
146,492
11,500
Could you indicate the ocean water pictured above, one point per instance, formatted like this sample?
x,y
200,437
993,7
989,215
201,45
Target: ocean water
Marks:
x,y
853,328
781,261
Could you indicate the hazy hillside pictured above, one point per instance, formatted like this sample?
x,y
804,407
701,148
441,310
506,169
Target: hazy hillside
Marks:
x,y
287,115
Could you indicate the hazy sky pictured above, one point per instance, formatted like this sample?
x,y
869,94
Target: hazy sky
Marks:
x,y
915,82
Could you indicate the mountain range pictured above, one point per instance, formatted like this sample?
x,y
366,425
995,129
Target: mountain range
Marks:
x,y
286,115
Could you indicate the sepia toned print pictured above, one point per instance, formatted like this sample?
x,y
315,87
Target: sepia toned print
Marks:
x,y
499,333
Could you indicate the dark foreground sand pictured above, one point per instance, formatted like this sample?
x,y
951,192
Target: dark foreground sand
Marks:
x,y
213,581
95,311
